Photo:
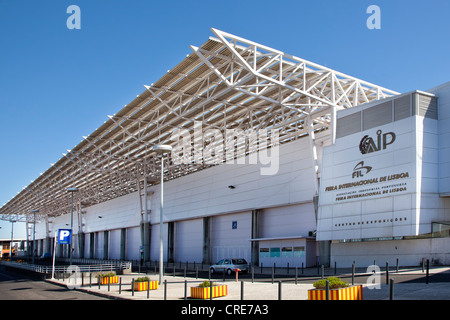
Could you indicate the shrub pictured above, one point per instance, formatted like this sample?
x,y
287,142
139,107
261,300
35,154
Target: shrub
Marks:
x,y
335,283
142,279
205,284
105,275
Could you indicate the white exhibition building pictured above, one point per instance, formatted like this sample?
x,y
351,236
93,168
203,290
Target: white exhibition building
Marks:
x,y
274,159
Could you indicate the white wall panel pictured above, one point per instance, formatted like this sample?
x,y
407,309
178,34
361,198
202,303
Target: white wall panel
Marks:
x,y
227,242
443,94
118,213
155,242
189,240
295,220
133,243
114,244
206,193
408,252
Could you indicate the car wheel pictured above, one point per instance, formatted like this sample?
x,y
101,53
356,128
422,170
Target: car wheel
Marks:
x,y
212,270
229,272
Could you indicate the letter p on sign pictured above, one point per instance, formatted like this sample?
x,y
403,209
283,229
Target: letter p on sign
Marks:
x,y
64,236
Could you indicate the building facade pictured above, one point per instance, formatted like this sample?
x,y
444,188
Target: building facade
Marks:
x,y
384,187
275,159
270,219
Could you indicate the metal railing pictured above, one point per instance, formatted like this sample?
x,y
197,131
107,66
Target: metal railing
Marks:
x,y
96,266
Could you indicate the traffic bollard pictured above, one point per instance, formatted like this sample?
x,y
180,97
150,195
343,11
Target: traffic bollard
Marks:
x,y
387,273
165,289
210,290
253,274
273,275
279,290
353,274
391,289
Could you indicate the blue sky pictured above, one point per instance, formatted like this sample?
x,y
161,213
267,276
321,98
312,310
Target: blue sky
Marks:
x,y
57,85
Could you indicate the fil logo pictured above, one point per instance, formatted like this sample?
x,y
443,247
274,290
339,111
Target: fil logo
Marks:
x,y
368,145
359,169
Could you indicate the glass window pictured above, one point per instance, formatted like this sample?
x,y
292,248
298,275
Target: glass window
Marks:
x,y
263,252
274,252
239,261
299,252
286,252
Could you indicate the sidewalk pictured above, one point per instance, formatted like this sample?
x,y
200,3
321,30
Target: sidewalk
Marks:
x,y
264,290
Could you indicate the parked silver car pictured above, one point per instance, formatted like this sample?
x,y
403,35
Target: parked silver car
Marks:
x,y
229,265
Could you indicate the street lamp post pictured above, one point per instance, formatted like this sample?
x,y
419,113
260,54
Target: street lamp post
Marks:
x,y
71,190
161,149
34,235
12,239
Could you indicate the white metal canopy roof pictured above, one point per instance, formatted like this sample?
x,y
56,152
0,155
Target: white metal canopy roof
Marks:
x,y
227,83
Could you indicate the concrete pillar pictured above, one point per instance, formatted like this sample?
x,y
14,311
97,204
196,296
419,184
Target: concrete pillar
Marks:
x,y
105,245
123,243
81,241
171,242
145,239
256,233
324,246
92,245
207,240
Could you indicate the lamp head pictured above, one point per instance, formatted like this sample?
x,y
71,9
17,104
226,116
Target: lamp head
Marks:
x,y
162,148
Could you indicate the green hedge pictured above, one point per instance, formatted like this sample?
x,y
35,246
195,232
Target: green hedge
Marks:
x,y
335,283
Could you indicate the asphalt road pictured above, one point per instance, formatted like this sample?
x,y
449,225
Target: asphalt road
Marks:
x,y
16,286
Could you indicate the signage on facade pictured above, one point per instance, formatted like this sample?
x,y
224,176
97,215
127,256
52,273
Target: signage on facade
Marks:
x,y
64,236
368,145
375,186
362,181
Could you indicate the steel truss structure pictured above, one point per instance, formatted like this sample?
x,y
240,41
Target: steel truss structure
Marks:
x,y
227,83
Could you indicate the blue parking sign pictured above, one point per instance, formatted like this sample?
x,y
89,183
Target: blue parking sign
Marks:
x,y
64,236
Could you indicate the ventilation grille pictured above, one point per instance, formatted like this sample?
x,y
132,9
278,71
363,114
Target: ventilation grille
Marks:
x,y
387,112
348,125
402,108
377,116
427,107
